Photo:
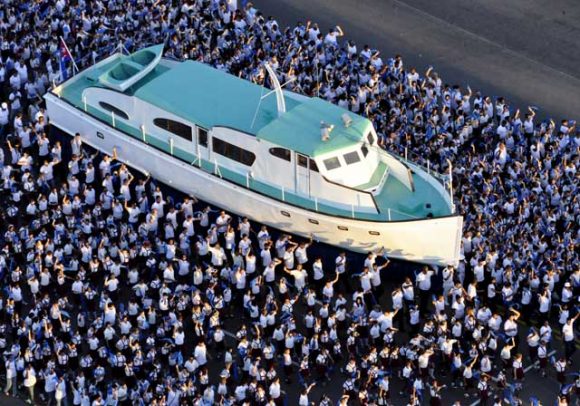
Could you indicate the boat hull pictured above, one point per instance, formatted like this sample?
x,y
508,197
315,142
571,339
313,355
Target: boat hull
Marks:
x,y
432,241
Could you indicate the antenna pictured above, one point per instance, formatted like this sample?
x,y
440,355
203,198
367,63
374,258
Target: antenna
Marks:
x,y
258,108
281,103
277,88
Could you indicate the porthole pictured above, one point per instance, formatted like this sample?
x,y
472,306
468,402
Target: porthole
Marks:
x,y
313,221
374,233
343,228
285,213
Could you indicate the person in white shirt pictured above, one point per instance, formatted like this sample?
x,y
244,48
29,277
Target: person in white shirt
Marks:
x,y
545,304
511,326
301,252
568,336
468,376
29,375
11,374
300,276
270,271
50,381
303,399
200,354
365,280
275,390
424,283
60,391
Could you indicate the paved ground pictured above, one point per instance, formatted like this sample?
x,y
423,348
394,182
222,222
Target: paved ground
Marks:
x,y
527,50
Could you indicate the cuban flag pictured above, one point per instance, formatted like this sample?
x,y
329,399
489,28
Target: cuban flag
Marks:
x,y
65,58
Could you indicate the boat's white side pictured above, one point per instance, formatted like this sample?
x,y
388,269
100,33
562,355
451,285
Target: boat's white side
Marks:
x,y
433,241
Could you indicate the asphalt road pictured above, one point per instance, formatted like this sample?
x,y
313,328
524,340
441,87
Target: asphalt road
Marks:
x,y
526,50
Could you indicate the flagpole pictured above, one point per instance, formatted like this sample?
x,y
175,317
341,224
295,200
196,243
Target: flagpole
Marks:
x,y
71,55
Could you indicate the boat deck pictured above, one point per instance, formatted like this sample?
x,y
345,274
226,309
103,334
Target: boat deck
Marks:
x,y
73,91
376,178
404,204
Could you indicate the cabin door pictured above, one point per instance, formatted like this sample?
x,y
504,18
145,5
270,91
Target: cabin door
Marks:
x,y
201,143
302,175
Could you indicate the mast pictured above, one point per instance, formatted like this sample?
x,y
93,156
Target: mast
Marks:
x,y
277,88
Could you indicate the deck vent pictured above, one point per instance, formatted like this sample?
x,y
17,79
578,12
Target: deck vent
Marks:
x,y
346,120
325,130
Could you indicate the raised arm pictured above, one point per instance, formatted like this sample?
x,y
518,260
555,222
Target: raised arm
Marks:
x,y
473,362
336,278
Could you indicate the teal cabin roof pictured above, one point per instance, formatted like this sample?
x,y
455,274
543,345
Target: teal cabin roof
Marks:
x,y
209,97
299,128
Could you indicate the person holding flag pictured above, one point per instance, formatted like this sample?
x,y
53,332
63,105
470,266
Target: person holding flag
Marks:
x,y
65,57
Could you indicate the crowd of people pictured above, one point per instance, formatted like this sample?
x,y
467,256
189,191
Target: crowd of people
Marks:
x,y
115,291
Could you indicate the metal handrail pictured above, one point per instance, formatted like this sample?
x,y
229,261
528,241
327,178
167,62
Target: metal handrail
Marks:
x,y
446,180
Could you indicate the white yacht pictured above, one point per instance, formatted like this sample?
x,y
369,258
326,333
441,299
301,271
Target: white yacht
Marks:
x,y
295,163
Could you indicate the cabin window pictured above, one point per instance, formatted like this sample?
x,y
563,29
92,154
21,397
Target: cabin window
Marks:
x,y
112,109
364,150
313,166
332,163
371,138
174,127
233,152
343,228
303,161
351,158
306,162
313,221
281,153
202,136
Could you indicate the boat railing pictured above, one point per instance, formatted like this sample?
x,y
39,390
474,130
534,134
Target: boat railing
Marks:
x,y
358,204
406,216
411,158
404,154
